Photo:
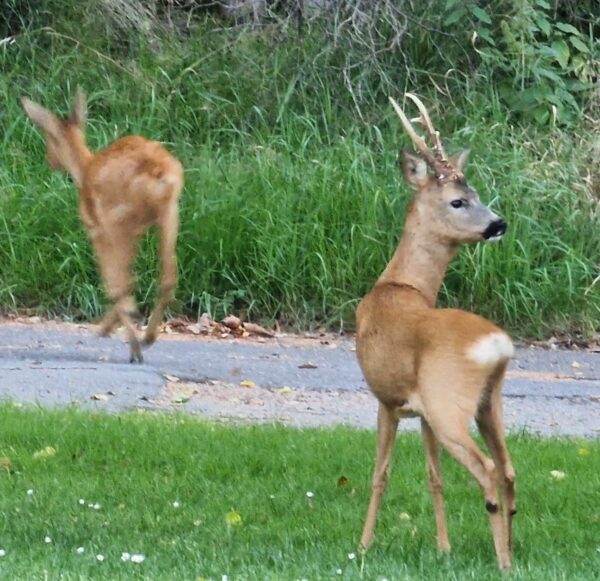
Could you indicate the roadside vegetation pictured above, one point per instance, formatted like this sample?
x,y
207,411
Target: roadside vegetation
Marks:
x,y
293,199
78,490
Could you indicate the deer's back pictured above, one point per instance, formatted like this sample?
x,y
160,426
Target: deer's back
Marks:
x,y
131,180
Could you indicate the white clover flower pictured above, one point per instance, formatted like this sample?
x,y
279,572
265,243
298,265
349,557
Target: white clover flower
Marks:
x,y
95,506
404,516
224,578
47,539
100,558
176,504
338,571
30,492
2,553
125,557
81,501
137,558
310,494
557,474
80,550
352,556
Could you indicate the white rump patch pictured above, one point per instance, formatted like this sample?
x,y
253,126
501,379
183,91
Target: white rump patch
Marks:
x,y
491,349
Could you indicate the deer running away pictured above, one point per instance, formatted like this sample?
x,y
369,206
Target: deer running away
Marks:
x,y
124,189
445,366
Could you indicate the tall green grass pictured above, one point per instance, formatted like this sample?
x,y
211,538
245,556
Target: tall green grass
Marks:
x,y
132,468
293,200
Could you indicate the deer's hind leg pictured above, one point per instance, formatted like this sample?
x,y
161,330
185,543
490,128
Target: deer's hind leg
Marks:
x,y
491,425
168,225
449,419
115,252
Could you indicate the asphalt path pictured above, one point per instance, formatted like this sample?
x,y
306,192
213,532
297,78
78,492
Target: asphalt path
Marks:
x,y
299,381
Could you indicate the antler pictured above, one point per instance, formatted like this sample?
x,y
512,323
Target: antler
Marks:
x,y
416,138
425,120
439,160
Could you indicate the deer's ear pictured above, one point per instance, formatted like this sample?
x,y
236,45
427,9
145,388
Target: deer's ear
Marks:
x,y
41,117
79,114
415,169
459,160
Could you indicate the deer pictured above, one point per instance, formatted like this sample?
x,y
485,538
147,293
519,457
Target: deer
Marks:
x,y
444,366
124,189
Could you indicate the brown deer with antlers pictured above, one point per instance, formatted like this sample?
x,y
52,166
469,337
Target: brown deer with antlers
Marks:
x,y
445,366
123,190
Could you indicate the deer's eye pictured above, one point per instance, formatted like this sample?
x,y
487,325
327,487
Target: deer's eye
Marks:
x,y
458,203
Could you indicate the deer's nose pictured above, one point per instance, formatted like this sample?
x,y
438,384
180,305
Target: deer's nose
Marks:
x,y
495,230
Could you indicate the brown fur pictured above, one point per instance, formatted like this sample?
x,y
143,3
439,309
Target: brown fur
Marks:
x,y
416,358
124,189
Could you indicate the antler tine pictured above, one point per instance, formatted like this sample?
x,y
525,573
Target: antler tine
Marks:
x,y
416,138
435,135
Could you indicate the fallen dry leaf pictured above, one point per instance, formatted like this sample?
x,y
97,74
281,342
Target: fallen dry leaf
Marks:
x,y
179,398
284,389
232,322
6,464
99,397
233,518
172,378
255,329
178,324
307,366
46,452
194,329
247,383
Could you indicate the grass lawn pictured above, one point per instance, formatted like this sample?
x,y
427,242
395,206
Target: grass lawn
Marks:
x,y
203,500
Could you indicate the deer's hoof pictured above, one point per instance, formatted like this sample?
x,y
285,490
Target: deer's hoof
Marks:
x,y
135,355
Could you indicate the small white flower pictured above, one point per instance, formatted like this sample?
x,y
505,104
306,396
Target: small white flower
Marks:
x,y
95,506
176,504
125,557
137,558
80,550
100,558
338,571
224,578
47,539
2,553
557,474
310,494
81,501
271,496
352,556
404,516
30,492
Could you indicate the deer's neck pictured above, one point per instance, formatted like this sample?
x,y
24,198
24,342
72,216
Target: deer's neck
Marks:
x,y
77,158
420,261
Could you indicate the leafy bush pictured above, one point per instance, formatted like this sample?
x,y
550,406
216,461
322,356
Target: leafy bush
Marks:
x,y
539,64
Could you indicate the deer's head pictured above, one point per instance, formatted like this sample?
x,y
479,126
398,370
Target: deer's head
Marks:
x,y
443,199
59,133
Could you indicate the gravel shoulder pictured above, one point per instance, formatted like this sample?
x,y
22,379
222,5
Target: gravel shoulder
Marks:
x,y
299,381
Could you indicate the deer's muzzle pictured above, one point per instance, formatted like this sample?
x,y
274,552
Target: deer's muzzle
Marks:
x,y
495,230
